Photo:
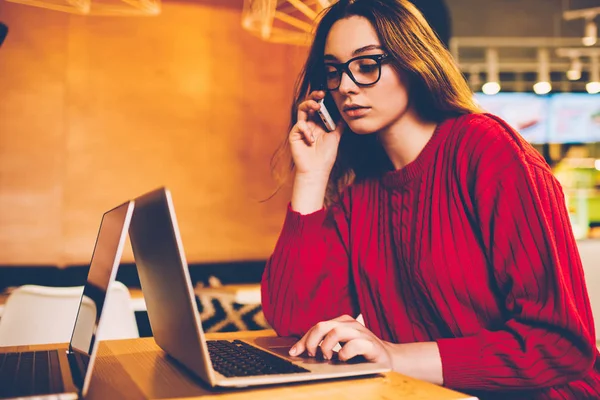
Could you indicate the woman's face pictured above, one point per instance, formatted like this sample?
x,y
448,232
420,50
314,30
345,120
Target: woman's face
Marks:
x,y
366,109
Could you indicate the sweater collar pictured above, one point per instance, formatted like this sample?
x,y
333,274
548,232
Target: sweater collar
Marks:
x,y
397,179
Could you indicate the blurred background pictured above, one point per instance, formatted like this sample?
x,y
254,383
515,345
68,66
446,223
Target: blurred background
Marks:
x,y
102,100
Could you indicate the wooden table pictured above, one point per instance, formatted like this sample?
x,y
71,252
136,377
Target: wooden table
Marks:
x,y
138,369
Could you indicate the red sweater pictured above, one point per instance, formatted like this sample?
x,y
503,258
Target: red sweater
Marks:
x,y
470,245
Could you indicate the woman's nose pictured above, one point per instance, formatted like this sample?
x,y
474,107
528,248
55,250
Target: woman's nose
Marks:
x,y
347,85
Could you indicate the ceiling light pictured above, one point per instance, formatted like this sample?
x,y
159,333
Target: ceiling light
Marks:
x,y
474,78
492,86
543,85
593,86
590,35
574,72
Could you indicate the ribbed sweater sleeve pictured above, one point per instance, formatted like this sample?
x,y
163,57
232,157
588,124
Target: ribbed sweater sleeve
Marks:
x,y
548,337
307,278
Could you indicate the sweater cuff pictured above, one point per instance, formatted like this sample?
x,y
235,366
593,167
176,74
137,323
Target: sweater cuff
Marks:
x,y
461,361
296,224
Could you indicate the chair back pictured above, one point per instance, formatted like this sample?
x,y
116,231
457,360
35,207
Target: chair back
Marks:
x,y
40,314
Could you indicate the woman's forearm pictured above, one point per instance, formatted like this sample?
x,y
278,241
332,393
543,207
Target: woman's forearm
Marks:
x,y
309,193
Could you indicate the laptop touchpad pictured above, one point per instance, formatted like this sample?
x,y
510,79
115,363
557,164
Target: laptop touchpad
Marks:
x,y
275,342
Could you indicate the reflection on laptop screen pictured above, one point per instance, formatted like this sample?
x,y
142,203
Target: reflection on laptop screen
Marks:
x,y
106,256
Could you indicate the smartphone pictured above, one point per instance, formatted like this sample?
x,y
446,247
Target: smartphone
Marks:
x,y
328,112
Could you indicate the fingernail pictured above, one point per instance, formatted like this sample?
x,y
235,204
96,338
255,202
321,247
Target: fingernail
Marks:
x,y
312,138
293,351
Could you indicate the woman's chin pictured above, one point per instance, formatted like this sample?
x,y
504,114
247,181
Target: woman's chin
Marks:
x,y
362,127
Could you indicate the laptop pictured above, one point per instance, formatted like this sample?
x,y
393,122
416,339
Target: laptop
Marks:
x,y
59,374
175,320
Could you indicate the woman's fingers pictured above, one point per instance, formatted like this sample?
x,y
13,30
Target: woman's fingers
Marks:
x,y
306,109
317,95
342,333
305,126
355,338
344,318
305,132
310,105
313,337
357,341
360,347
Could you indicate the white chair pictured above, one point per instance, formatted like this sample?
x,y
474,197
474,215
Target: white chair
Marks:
x,y
40,314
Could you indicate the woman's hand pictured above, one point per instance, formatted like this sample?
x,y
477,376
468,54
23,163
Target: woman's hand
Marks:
x,y
418,360
357,341
314,150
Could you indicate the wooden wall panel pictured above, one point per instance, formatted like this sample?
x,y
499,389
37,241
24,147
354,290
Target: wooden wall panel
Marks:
x,y
188,100
32,89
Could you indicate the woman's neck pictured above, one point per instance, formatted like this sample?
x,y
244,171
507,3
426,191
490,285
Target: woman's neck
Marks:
x,y
404,140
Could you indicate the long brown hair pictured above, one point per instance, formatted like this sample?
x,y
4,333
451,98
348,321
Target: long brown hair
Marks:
x,y
437,88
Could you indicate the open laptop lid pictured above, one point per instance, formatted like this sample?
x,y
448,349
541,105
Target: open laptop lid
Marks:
x,y
165,280
103,269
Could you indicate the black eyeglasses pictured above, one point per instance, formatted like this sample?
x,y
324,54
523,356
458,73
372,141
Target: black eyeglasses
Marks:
x,y
363,70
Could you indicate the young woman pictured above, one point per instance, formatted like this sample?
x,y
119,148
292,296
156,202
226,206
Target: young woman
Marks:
x,y
438,223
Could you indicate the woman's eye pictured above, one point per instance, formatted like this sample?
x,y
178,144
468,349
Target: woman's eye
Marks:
x,y
367,68
331,73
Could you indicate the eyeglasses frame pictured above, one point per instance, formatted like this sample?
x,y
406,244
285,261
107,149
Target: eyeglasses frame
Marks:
x,y
344,67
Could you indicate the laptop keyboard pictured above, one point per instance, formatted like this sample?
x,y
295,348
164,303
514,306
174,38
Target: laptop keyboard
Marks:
x,y
30,373
240,359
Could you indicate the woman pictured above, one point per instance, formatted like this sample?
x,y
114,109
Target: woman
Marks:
x,y
439,224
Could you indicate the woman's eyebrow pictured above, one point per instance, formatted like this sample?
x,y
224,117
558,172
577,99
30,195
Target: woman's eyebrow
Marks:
x,y
331,57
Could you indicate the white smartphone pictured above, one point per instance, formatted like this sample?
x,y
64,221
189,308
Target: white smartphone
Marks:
x,y
328,112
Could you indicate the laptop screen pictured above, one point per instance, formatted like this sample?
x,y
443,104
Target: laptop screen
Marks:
x,y
103,267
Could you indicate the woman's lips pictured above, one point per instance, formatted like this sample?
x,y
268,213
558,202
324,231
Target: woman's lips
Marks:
x,y
357,112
